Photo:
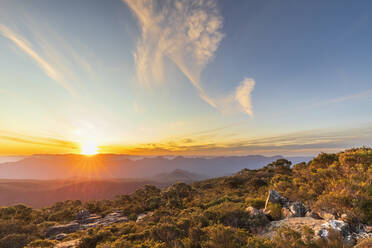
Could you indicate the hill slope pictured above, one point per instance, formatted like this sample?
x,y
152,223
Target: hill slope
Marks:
x,y
120,166
213,213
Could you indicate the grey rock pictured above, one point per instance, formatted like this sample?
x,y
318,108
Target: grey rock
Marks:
x,y
298,209
86,222
339,226
61,236
68,228
142,216
275,197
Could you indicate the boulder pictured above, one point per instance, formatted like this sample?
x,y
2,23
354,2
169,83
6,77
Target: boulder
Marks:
x,y
275,197
68,228
298,209
339,226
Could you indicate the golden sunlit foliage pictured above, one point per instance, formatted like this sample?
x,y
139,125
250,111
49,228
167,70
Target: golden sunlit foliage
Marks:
x,y
211,213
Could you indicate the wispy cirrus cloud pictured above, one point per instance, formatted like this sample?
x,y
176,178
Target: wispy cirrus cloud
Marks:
x,y
188,32
46,46
37,140
22,43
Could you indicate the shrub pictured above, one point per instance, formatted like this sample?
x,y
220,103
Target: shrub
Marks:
x,y
255,202
225,237
42,243
165,232
14,241
275,211
257,242
286,237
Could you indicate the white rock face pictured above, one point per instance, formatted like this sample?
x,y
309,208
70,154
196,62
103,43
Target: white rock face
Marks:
x,y
86,221
340,226
142,216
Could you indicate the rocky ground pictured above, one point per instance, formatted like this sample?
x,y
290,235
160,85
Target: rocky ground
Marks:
x,y
85,220
296,214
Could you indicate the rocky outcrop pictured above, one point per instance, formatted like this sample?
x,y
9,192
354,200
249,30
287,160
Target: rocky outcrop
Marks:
x,y
297,215
143,216
276,198
298,209
68,228
295,223
339,226
289,209
84,221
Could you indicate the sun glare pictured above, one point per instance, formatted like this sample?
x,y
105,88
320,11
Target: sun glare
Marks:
x,y
89,149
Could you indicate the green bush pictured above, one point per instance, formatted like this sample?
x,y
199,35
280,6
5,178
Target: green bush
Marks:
x,y
14,241
255,202
41,243
275,211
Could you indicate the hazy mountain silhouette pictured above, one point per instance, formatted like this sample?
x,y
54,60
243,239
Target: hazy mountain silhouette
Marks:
x,y
41,193
178,175
121,166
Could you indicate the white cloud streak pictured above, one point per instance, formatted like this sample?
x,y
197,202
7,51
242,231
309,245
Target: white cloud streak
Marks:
x,y
25,46
243,95
188,32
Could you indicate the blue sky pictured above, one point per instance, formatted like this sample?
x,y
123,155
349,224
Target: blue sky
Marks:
x,y
187,77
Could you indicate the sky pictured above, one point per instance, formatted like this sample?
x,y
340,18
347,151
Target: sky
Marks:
x,y
185,77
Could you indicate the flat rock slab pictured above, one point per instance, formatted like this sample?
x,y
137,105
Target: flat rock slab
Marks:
x,y
295,223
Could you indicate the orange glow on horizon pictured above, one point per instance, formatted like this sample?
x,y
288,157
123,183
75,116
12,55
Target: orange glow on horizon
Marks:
x,y
88,149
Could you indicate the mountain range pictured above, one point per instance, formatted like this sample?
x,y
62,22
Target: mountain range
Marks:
x,y
110,166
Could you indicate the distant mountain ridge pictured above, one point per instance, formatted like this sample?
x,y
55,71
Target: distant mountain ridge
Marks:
x,y
122,166
178,175
41,193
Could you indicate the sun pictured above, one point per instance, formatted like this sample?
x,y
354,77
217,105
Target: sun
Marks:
x,y
88,149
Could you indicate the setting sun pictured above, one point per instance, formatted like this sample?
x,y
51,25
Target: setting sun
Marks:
x,y
89,149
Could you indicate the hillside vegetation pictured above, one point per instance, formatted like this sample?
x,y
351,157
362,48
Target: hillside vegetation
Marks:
x,y
212,213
